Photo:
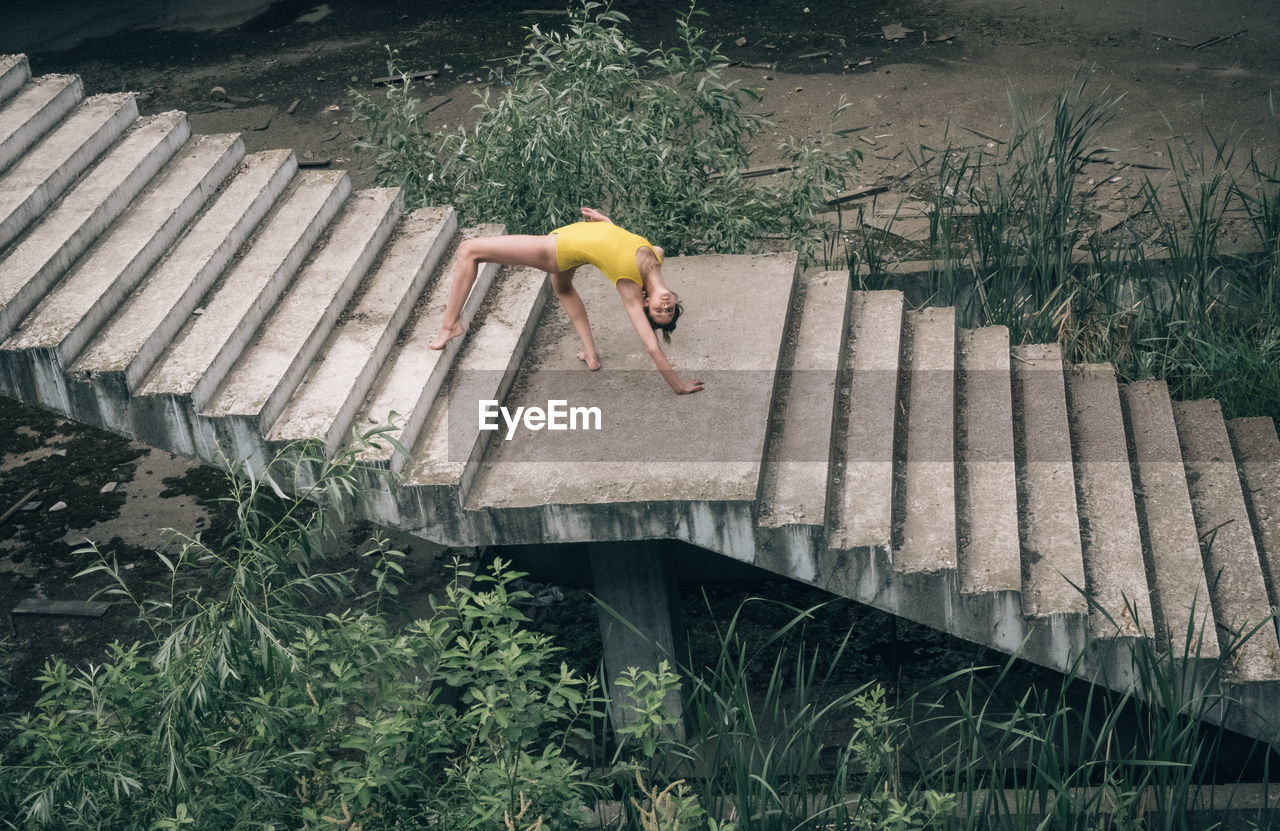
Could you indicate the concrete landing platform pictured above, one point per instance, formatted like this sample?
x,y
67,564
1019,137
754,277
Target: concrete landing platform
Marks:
x,y
652,446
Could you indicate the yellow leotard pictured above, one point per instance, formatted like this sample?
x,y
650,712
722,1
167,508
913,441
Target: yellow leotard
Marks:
x,y
603,244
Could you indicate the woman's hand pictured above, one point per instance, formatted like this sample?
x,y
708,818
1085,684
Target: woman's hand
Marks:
x,y
592,215
687,387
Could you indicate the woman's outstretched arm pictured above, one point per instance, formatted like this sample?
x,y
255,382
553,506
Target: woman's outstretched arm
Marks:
x,y
592,215
635,311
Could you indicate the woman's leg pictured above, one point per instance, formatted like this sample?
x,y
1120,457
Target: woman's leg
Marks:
x,y
514,249
562,285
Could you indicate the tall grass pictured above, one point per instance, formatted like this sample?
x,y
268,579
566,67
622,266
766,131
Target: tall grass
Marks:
x,y
1158,298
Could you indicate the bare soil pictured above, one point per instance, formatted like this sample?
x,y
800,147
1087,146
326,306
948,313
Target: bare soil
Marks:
x,y
927,74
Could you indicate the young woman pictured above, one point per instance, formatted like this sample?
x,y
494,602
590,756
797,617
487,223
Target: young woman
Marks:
x,y
631,263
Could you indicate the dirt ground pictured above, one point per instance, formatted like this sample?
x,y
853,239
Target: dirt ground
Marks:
x,y
919,74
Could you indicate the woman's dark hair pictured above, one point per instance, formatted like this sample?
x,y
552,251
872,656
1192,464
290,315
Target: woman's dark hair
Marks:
x,y
668,327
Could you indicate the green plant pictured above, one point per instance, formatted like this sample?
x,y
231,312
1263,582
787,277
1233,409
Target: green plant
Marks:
x,y
584,116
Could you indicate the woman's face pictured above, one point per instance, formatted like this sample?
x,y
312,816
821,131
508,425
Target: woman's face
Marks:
x,y
662,306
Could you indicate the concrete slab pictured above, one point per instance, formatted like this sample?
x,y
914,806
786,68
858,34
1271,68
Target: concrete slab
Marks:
x,y
986,479
86,211
1184,615
57,329
1052,559
1115,573
413,374
1234,574
32,184
863,506
926,510
117,359
448,452
202,353
270,368
1257,453
336,384
793,493
14,72
652,446
33,111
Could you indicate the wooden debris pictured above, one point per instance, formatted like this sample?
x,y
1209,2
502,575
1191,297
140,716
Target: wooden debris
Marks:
x,y
293,106
406,76
860,193
314,162
1204,44
58,608
13,509
823,54
868,139
980,134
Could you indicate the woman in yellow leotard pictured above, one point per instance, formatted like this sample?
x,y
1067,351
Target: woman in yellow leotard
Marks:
x,y
628,260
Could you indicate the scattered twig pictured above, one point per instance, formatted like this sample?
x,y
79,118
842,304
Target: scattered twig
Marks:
x,y
293,106
980,134
861,193
406,76
26,498
823,54
1219,39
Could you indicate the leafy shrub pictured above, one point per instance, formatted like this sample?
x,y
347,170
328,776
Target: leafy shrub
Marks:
x,y
587,117
250,708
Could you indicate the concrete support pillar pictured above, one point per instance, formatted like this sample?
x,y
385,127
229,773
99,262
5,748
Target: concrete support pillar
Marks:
x,y
633,579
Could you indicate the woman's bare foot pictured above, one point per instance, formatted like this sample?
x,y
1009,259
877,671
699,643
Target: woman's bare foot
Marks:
x,y
593,363
446,334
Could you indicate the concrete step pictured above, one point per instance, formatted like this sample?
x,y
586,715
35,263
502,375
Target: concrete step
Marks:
x,y
33,111
793,493
863,503
336,383
412,375
1233,572
986,477
1115,572
1257,454
1052,560
196,362
446,457
58,328
117,359
926,483
31,185
268,371
1180,595
96,200
651,464
14,72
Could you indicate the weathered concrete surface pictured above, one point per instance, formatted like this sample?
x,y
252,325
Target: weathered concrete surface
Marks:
x,y
29,115
14,72
1184,615
335,386
1052,560
655,448
1114,569
863,504
986,480
117,359
1236,585
57,329
33,264
926,505
271,366
794,482
413,375
640,618
1257,453
32,184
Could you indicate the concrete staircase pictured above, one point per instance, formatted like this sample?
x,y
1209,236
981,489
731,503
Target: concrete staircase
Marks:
x,y
207,301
